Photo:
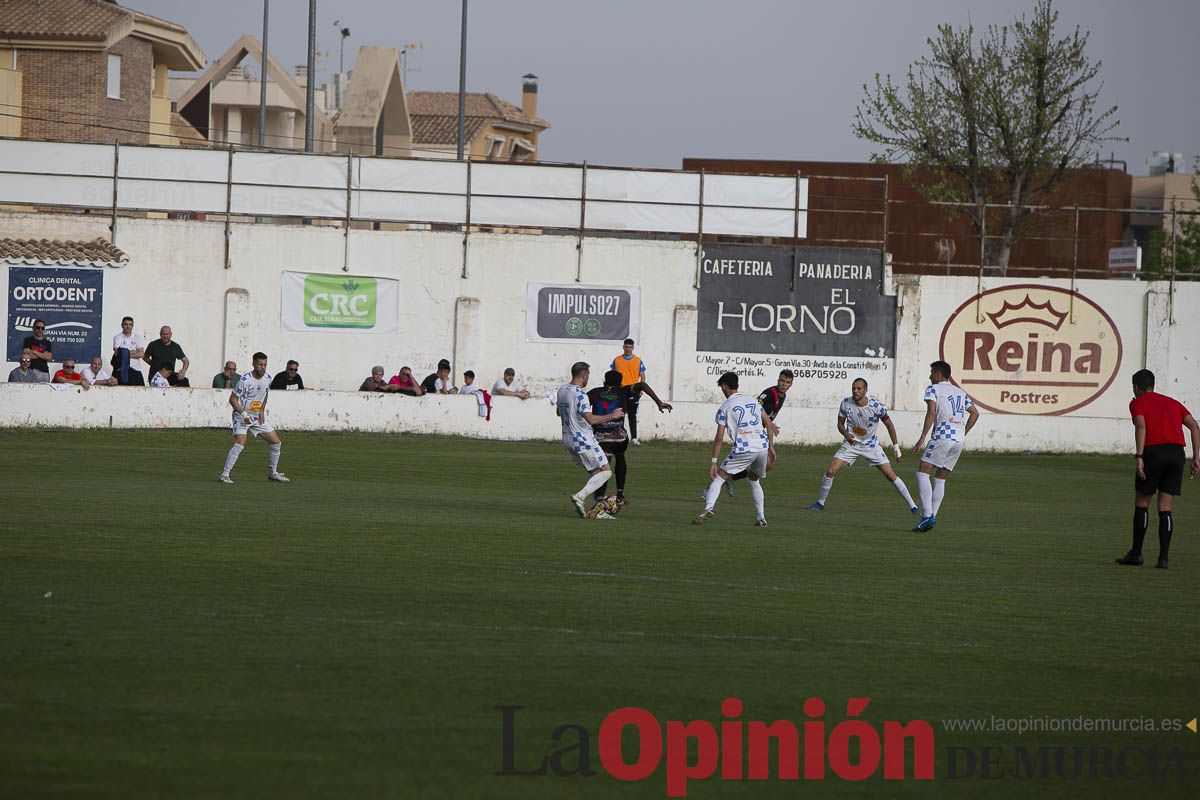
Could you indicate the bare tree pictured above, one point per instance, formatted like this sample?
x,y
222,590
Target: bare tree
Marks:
x,y
1000,120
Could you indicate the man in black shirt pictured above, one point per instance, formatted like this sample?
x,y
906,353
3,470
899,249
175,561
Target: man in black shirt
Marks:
x,y
431,382
611,435
41,349
290,379
772,400
163,352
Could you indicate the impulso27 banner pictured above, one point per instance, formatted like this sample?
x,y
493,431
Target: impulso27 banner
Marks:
x,y
70,301
340,303
576,312
818,311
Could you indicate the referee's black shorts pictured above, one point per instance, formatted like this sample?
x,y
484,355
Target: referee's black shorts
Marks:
x,y
614,448
1163,465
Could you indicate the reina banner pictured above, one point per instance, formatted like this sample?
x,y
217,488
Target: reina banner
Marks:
x,y
1032,349
340,303
574,313
70,301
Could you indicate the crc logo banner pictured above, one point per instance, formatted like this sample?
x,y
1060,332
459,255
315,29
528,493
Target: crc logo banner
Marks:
x,y
69,300
573,313
1032,349
348,303
816,301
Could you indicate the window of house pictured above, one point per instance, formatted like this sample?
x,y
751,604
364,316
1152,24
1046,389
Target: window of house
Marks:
x,y
114,77
495,147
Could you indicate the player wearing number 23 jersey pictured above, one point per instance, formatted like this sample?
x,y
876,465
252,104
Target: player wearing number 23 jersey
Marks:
x,y
742,417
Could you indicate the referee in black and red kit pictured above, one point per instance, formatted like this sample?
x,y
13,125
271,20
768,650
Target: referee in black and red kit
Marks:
x,y
1158,423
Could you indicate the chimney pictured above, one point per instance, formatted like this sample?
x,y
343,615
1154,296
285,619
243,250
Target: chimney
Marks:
x,y
529,96
302,75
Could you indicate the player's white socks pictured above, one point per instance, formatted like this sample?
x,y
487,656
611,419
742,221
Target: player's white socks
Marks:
x,y
232,458
939,493
826,485
757,493
926,491
714,491
273,457
594,483
903,490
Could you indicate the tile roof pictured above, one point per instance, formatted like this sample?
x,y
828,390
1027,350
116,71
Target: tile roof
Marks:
x,y
85,20
434,115
96,253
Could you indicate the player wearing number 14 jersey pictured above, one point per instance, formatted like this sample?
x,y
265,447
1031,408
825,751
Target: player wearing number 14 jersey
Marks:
x,y
949,417
743,417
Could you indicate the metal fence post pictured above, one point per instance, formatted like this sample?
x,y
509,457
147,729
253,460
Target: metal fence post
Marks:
x,y
1074,262
699,231
982,261
467,227
582,219
1171,294
349,200
228,203
112,225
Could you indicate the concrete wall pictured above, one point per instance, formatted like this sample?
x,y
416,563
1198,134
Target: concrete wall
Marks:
x,y
177,276
25,406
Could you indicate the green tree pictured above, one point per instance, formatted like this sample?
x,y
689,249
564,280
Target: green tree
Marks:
x,y
1002,118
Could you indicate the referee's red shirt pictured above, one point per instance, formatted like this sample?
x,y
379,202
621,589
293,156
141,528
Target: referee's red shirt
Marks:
x,y
1164,418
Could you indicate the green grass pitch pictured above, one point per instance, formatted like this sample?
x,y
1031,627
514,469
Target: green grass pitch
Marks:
x,y
350,634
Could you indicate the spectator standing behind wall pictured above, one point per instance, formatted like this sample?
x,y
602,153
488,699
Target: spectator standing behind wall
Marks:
x,y
40,348
128,349
25,373
163,352
439,382
404,383
376,383
227,378
507,384
289,380
98,374
68,375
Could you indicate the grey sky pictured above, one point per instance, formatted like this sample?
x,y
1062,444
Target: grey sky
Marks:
x,y
649,82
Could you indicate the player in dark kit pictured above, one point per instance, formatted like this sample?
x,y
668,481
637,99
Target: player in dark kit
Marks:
x,y
772,400
1158,423
611,435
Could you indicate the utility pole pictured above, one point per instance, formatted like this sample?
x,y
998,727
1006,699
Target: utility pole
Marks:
x,y
462,82
262,93
310,81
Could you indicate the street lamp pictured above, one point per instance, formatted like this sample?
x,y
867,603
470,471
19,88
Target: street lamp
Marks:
x,y
462,82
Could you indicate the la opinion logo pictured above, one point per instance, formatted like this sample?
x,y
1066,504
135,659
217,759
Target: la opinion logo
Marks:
x,y
1031,349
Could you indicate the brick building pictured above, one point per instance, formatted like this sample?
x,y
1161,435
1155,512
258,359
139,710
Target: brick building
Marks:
x,y
89,71
846,207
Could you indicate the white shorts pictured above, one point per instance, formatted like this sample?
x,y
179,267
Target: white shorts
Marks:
x,y
943,453
851,453
588,456
755,460
240,428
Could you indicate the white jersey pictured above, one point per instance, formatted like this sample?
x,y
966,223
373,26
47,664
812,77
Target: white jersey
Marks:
x,y
252,392
572,403
742,415
862,421
952,403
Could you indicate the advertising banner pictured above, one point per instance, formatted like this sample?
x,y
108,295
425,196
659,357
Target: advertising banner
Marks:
x,y
815,310
1032,349
575,312
69,300
340,303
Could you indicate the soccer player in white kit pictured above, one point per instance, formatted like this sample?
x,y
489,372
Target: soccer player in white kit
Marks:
x,y
579,440
858,417
949,415
249,401
753,447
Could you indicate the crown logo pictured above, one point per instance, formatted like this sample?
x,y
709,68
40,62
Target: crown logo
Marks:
x,y
1028,311
351,286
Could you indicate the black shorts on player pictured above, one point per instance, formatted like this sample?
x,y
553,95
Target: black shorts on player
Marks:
x,y
1163,465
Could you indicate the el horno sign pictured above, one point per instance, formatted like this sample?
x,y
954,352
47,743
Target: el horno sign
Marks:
x,y
1031,349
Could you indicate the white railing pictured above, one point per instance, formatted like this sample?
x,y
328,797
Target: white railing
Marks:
x,y
359,188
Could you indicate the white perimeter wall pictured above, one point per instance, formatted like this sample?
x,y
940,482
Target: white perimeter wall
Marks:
x,y
177,276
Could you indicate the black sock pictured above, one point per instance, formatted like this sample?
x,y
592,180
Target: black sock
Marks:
x,y
602,492
1165,527
622,469
1141,521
